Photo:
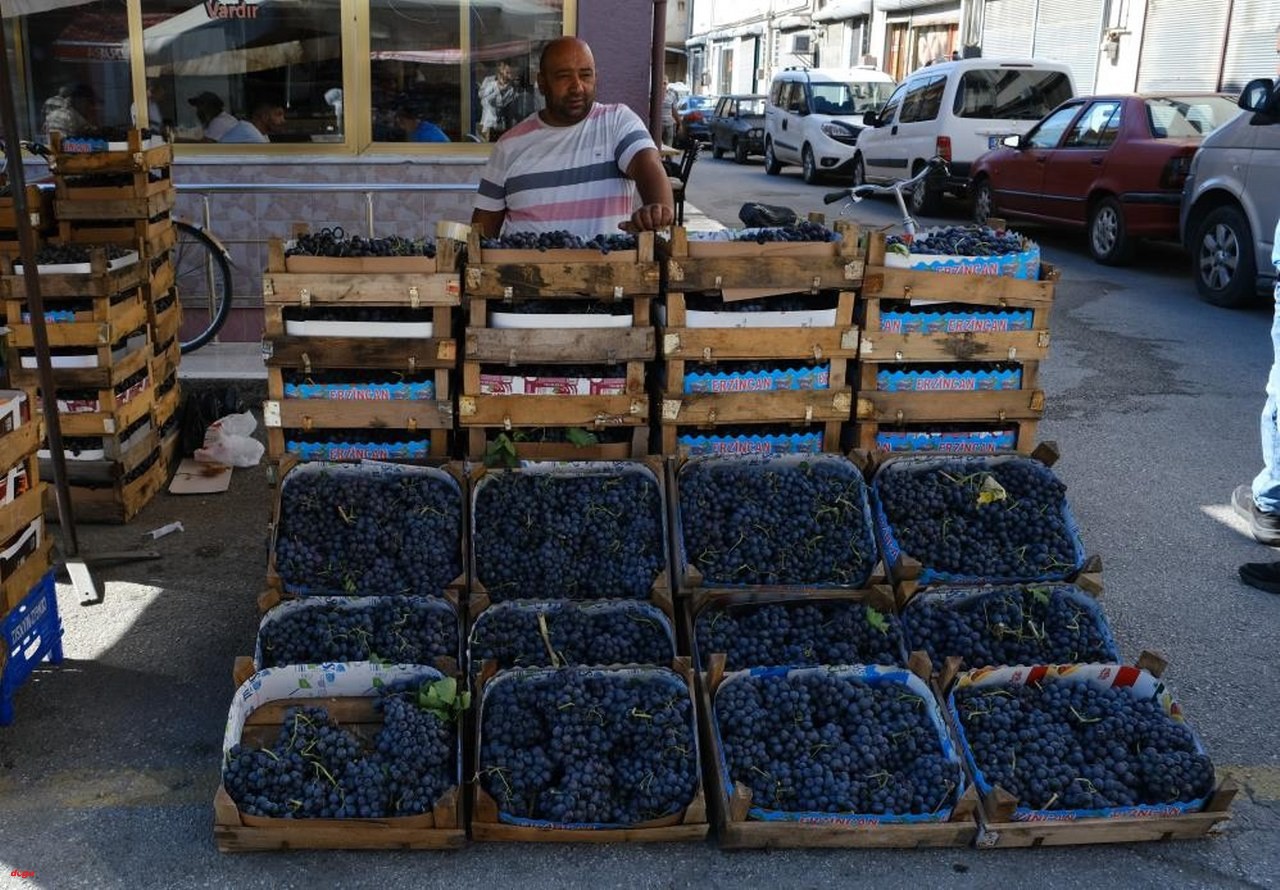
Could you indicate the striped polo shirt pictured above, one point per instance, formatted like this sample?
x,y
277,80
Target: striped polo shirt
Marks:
x,y
573,178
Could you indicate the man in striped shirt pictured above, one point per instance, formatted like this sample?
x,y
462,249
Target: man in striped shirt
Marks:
x,y
576,165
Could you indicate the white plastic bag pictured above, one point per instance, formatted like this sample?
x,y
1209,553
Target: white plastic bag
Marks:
x,y
228,441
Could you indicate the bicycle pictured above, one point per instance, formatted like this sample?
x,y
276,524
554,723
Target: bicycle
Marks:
x,y
202,274
858,192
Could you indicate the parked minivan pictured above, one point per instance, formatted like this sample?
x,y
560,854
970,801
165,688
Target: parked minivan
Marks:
x,y
1231,200
955,110
813,117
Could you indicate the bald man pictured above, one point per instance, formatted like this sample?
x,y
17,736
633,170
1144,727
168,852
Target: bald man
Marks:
x,y
577,165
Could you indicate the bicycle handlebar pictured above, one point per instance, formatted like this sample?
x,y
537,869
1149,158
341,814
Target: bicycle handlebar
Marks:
x,y
934,163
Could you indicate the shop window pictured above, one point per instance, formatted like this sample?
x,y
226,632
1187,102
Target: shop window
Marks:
x,y
461,71
245,72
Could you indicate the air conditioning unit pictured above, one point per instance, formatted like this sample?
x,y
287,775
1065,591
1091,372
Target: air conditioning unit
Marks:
x,y
800,43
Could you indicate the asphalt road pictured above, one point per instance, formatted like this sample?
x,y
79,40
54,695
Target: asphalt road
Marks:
x,y
107,776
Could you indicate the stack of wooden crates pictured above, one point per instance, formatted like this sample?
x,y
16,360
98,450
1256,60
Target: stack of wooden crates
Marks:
x,y
317,349
112,324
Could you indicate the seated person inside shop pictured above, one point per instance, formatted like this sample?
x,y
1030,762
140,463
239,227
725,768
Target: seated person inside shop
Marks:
x,y
266,118
212,114
410,119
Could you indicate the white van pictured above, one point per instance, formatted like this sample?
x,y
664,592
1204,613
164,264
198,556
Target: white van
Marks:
x,y
958,111
813,116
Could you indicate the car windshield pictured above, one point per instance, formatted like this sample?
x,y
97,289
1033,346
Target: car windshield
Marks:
x,y
1181,116
693,102
1018,94
859,97
750,107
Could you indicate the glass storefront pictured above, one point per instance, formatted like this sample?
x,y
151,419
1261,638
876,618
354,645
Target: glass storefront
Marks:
x,y
346,74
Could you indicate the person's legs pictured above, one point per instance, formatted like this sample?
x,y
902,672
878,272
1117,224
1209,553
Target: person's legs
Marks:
x,y
1260,503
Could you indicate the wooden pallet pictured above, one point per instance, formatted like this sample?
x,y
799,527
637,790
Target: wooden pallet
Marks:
x,y
730,808
411,415
516,274
140,208
690,824
233,831
758,269
118,502
69,158
107,321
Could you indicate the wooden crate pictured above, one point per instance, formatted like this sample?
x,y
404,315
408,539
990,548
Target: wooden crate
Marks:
x,y
14,589
730,808
118,502
986,437
165,406
20,442
153,236
166,321
105,322
758,269
122,458
78,155
489,444
140,208
39,208
108,375
412,282
412,415
161,275
113,415
516,274
233,831
99,281
995,810
137,183
690,824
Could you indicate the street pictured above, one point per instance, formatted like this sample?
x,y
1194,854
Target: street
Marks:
x,y
108,773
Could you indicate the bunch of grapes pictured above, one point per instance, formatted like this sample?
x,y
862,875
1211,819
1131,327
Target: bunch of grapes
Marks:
x,y
1030,624
319,770
335,243
805,230
819,741
400,630
798,633
587,536
569,307
65,254
961,241
559,240
597,633
1072,746
370,534
754,522
975,517
589,746
710,301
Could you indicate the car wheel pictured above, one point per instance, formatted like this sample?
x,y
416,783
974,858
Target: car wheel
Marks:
x,y
983,202
1109,243
809,166
859,171
921,201
771,165
716,151
739,151
1226,274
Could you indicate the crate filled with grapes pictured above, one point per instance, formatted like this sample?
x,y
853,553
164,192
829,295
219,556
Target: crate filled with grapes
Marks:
x,y
572,531
559,264
340,629
790,521
342,756
833,756
588,755
991,625
115,491
79,321
115,196
735,630
975,520
111,150
76,271
566,633
758,262
39,200
1083,754
366,529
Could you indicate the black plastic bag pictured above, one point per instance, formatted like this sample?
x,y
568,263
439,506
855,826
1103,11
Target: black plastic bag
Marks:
x,y
756,215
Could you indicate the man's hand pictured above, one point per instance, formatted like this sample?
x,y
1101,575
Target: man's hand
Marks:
x,y
649,218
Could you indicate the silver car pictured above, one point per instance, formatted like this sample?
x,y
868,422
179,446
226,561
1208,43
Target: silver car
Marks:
x,y
1231,201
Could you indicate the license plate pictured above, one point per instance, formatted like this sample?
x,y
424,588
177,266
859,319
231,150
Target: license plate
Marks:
x,y
994,141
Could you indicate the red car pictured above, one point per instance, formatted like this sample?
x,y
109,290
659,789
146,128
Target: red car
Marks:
x,y
1113,165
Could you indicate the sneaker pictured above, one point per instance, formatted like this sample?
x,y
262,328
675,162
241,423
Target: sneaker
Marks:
x,y
1265,527
1262,575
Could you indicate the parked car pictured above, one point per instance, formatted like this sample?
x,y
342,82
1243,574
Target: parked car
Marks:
x,y
1232,200
737,126
1114,165
813,117
958,111
691,119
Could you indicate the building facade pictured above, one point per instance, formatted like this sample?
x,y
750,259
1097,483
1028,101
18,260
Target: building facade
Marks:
x,y
346,73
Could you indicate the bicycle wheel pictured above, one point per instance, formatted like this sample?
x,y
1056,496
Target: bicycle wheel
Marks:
x,y
202,274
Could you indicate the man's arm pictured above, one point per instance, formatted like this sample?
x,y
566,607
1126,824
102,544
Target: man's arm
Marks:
x,y
657,205
489,222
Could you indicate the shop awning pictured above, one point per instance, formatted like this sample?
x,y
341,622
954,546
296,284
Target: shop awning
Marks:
x,y
11,9
96,36
843,9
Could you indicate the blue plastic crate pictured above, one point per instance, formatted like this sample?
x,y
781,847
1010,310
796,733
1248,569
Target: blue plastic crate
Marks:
x,y
32,632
